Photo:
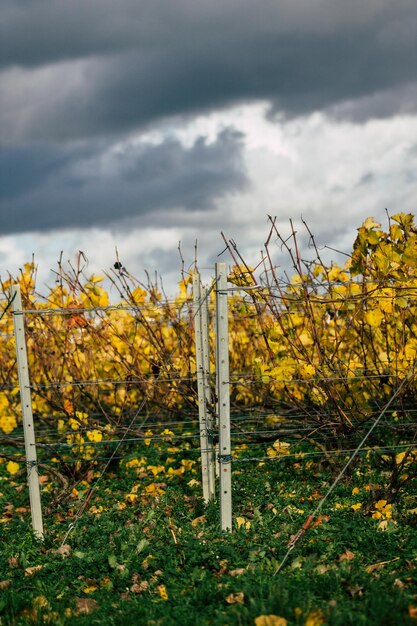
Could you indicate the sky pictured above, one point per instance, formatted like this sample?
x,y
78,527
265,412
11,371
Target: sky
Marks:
x,y
144,125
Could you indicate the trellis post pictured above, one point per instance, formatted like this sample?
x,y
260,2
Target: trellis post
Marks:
x,y
200,296
223,397
27,414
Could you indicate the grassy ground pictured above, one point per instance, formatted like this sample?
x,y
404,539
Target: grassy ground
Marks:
x,y
147,551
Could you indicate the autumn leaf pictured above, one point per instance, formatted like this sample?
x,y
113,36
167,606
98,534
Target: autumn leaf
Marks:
x,y
237,572
12,467
374,317
40,602
315,618
346,556
140,587
270,620
76,321
163,593
85,606
404,219
370,223
242,522
412,612
235,598
64,550
30,571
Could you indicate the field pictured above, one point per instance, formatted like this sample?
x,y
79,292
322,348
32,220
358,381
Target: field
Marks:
x,y
323,397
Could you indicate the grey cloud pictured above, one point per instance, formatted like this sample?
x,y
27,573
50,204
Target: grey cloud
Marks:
x,y
108,68
366,179
95,186
24,169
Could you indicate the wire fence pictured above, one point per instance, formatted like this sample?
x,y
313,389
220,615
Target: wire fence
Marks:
x,y
279,431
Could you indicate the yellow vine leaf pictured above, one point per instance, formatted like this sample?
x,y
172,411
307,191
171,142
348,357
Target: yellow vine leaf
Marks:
x,y
370,223
12,467
163,593
374,317
315,618
270,620
241,521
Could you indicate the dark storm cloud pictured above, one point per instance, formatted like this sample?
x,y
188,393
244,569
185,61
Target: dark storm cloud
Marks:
x,y
44,188
72,69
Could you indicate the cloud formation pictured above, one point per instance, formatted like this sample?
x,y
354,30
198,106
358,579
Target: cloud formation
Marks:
x,y
72,70
46,187
139,123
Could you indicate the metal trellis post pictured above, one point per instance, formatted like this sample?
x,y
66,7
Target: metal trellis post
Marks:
x,y
207,387
27,414
203,386
223,397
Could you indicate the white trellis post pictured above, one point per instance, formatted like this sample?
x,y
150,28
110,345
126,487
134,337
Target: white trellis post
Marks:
x,y
27,414
203,386
205,338
223,397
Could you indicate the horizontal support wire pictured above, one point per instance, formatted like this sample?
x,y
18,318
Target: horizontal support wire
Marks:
x,y
285,426
111,381
257,378
70,310
278,432
319,453
126,440
291,298
300,455
240,379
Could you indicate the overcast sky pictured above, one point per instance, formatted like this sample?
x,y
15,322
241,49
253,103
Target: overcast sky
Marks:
x,y
141,124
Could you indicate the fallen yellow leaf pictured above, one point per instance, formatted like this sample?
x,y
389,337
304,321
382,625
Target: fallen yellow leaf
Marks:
x,y
346,556
236,598
315,618
30,571
241,521
12,467
270,620
163,593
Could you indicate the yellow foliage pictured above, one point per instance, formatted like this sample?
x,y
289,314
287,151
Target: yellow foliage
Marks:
x,y
374,317
176,472
163,593
313,344
241,276
315,618
153,490
12,467
8,423
382,510
156,469
270,620
242,522
94,435
279,448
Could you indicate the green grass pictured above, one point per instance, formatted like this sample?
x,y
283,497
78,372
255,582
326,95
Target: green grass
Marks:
x,y
146,562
